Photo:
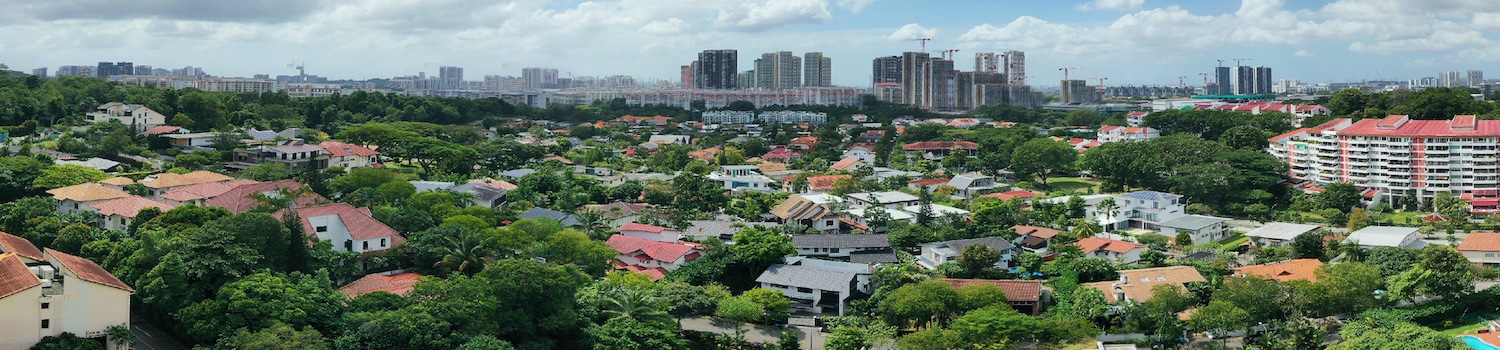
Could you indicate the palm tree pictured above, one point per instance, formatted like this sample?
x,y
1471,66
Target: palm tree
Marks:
x,y
1084,229
468,253
1110,210
594,223
283,198
635,304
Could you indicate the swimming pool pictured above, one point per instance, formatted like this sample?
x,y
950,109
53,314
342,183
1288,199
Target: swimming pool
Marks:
x,y
1477,344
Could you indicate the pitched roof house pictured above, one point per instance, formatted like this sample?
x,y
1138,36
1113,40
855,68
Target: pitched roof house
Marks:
x,y
1135,285
1481,248
398,284
75,198
649,257
1025,296
838,245
350,229
1299,269
1121,252
938,253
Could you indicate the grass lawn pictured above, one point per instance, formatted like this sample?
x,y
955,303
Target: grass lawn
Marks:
x,y
1464,325
1068,184
1403,218
1231,244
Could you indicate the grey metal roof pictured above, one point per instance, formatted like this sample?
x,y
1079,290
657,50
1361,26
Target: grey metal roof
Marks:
x,y
1281,231
808,277
517,173
840,241
717,228
431,185
481,191
997,243
885,256
1151,195
1193,222
561,217
886,197
96,163
1385,236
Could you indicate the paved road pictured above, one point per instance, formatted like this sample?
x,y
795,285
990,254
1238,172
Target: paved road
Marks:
x,y
148,337
811,340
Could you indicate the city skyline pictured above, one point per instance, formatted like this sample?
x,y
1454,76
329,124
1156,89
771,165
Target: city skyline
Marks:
x,y
1128,41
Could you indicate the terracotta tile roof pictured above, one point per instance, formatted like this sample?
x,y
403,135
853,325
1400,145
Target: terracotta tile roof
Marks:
x,y
1136,284
659,251
128,206
203,190
1401,126
616,210
169,180
767,167
86,193
163,129
1009,195
87,270
1481,242
939,145
824,182
1288,134
844,163
1094,244
805,140
238,199
500,184
117,181
360,223
1015,290
643,227
1036,231
14,276
1300,269
340,149
928,182
10,243
398,284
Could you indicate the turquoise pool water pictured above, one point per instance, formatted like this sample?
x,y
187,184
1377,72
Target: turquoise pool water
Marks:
x,y
1477,344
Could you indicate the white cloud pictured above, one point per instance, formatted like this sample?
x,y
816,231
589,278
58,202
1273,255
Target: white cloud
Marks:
x,y
855,6
752,16
1119,5
913,31
1304,53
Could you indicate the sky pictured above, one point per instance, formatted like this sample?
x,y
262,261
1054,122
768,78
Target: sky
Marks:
x,y
1151,42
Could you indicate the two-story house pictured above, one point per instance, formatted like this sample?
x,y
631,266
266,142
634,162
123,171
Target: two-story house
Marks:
x,y
137,117
293,154
1482,248
349,156
1201,228
821,284
1112,133
1117,251
46,293
78,197
938,253
651,232
815,211
650,257
117,214
864,152
741,178
350,229
973,185
1135,285
158,184
888,199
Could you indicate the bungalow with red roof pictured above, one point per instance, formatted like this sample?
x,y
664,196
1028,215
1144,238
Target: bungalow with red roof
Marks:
x,y
1120,252
243,198
350,229
819,184
651,232
349,156
398,284
118,213
1298,269
846,164
929,184
803,143
1481,248
1025,196
650,257
937,150
1024,296
1136,118
1035,239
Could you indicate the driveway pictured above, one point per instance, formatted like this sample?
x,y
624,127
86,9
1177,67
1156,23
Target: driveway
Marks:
x,y
755,333
148,337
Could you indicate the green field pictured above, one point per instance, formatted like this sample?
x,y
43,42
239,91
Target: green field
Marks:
x,y
1463,325
1068,184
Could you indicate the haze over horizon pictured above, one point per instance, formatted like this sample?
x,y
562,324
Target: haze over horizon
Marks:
x,y
1128,41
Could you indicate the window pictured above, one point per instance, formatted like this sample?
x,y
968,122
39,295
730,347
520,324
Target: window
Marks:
x,y
321,229
804,290
825,222
834,250
1489,255
46,324
46,306
382,242
365,245
75,205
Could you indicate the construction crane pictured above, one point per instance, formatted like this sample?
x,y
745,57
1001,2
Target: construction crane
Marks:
x,y
1221,63
1205,78
300,71
924,42
1237,61
948,54
1100,90
1182,80
1065,71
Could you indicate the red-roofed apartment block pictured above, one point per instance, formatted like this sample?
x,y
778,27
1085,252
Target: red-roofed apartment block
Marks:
x,y
1397,156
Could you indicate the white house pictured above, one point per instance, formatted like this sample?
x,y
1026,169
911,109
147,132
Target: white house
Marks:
x,y
38,305
1387,236
819,283
78,197
350,229
741,178
938,253
137,117
1120,252
859,217
862,151
1113,133
814,211
972,185
1200,228
349,156
1481,248
117,214
888,199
